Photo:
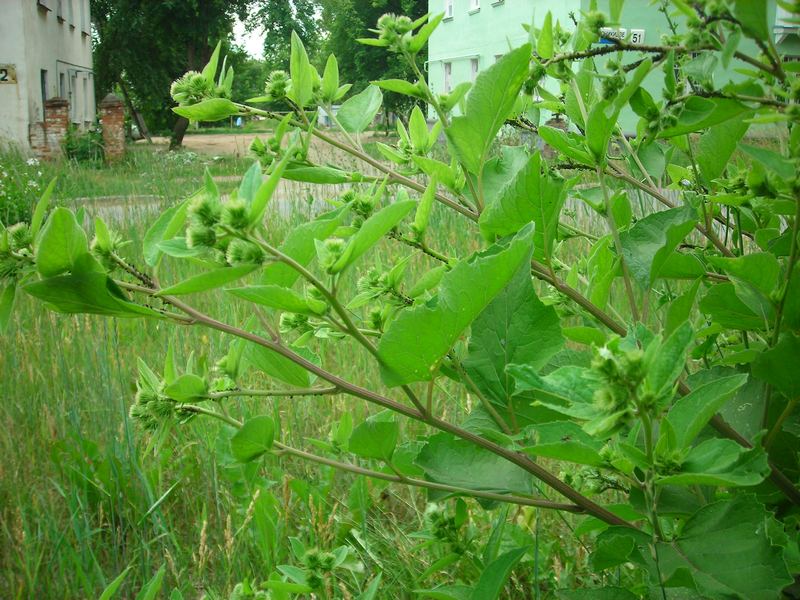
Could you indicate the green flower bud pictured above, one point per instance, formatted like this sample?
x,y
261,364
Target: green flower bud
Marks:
x,y
241,252
19,236
277,85
199,236
235,215
192,88
205,210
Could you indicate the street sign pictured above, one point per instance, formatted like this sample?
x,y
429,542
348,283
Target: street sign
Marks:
x,y
8,74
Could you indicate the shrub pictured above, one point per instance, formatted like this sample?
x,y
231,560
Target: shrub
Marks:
x,y
84,146
653,361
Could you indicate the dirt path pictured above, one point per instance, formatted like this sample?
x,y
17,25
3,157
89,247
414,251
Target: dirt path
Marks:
x,y
215,143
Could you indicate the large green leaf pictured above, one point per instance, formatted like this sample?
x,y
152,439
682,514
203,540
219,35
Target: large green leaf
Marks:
x,y
778,366
726,550
253,439
371,231
496,573
167,225
299,245
212,109
516,328
670,360
568,390
716,147
564,440
701,113
720,462
420,336
691,413
724,306
532,194
301,72
62,241
753,18
280,298
278,366
376,437
207,281
460,463
759,269
86,290
488,106
357,112
647,245
7,296
187,387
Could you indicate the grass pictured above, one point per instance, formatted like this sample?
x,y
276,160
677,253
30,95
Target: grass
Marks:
x,y
84,494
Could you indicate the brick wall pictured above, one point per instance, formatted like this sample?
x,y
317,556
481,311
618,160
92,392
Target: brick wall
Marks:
x,y
45,136
112,118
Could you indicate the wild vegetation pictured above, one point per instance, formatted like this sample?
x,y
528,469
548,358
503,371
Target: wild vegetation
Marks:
x,y
593,408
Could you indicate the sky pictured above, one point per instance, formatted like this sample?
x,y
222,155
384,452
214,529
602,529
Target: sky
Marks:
x,y
252,42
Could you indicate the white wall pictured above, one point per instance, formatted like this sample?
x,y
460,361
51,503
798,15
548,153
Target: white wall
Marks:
x,y
51,35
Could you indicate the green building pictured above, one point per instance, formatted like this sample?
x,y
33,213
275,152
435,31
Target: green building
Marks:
x,y
475,33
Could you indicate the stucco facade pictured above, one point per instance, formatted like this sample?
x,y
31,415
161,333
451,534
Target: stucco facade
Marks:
x,y
474,33
45,52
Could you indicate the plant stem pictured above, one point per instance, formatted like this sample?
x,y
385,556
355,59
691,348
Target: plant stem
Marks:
x,y
776,427
397,478
274,393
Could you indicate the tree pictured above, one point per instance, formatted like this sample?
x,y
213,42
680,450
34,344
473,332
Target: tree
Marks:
x,y
278,18
144,46
348,20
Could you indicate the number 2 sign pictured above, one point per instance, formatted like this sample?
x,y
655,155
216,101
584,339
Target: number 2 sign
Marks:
x,y
8,74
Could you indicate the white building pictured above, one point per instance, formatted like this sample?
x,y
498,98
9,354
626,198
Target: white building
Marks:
x,y
45,52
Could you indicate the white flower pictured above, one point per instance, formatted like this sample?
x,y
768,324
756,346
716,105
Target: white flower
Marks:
x,y
32,162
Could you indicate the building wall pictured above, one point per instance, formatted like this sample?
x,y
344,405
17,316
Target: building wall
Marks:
x,y
494,27
46,40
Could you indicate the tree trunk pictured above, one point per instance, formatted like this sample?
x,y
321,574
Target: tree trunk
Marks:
x,y
176,139
137,116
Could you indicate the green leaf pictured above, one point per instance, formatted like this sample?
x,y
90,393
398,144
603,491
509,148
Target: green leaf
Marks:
x,y
400,86
701,113
264,193
533,194
41,208
278,366
61,243
7,305
250,183
187,387
420,336
253,439
496,574
300,70
680,309
211,67
775,366
759,269
773,161
460,463
86,291
424,207
753,18
212,109
153,587
726,549
669,361
167,225
177,248
599,126
330,175
515,328
568,390
419,40
357,112
544,43
723,305
299,245
647,245
568,144
720,462
376,437
371,592
207,281
605,593
280,298
717,145
330,79
447,592
564,440
691,413
371,231
488,105
112,587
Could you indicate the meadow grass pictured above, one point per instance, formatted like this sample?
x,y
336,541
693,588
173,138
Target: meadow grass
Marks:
x,y
85,495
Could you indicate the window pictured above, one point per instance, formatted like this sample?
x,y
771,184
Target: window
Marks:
x,y
448,71
473,65
474,5
448,9
43,83
497,57
73,97
62,86
85,98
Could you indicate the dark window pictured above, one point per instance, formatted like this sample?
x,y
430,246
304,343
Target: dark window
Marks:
x,y
43,82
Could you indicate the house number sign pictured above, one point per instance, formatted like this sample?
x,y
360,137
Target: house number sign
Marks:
x,y
8,74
